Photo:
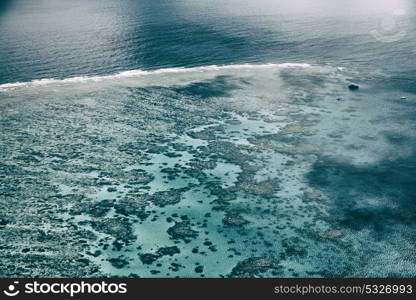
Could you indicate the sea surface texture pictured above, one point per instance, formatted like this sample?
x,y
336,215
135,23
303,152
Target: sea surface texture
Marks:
x,y
207,138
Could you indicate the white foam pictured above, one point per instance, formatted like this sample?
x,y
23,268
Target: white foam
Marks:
x,y
138,73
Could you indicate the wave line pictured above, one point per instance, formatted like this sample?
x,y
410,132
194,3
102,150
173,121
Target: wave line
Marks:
x,y
138,73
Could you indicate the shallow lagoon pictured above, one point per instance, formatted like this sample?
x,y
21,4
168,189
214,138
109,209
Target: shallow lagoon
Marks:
x,y
266,170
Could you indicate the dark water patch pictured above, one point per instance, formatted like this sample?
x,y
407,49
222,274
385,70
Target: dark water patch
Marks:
x,y
150,258
118,262
404,81
398,139
5,5
306,81
220,86
391,184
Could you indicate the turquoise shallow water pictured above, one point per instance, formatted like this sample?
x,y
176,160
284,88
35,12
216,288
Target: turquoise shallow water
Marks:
x,y
207,139
252,170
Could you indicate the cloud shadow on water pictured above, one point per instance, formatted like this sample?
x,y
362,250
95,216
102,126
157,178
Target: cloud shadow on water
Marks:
x,y
372,197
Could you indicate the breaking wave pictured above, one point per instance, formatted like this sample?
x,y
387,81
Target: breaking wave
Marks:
x,y
138,73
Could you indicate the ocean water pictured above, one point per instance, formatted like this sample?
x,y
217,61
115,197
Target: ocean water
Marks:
x,y
207,138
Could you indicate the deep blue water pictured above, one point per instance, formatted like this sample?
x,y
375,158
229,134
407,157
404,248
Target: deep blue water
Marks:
x,y
61,39
207,138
